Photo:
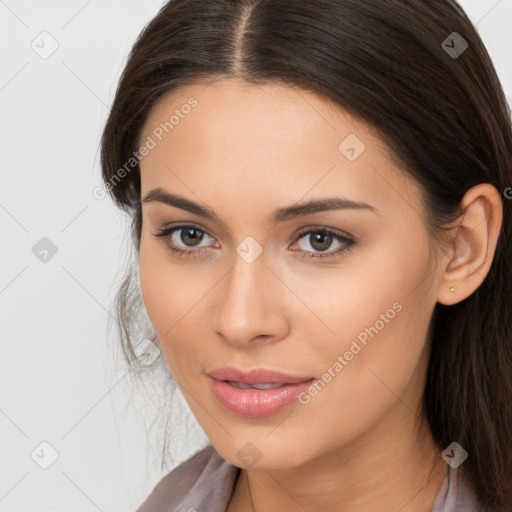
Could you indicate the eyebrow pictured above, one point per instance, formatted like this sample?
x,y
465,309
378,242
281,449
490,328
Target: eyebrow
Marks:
x,y
279,215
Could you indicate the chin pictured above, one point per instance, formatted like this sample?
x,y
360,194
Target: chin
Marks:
x,y
262,454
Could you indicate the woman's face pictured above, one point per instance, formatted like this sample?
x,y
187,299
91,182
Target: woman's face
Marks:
x,y
349,309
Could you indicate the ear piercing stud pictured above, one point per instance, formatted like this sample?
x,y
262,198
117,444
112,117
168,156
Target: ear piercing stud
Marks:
x,y
452,290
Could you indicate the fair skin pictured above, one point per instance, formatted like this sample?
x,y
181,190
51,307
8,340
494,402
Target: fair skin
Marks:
x,y
360,444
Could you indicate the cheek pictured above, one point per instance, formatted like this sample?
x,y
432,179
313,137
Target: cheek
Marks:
x,y
154,282
376,309
162,291
366,289
381,322
172,295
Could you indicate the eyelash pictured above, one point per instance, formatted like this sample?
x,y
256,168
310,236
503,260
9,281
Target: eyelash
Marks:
x,y
167,232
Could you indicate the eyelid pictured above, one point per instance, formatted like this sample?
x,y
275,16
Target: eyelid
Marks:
x,y
166,232
338,232
303,230
183,225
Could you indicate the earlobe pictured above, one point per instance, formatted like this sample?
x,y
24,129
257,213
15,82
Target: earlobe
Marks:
x,y
474,244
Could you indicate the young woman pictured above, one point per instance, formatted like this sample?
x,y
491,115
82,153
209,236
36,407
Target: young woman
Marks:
x,y
320,197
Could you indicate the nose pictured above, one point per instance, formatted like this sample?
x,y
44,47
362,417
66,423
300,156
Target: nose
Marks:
x,y
251,304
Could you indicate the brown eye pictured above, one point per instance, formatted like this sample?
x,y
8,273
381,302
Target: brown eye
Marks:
x,y
190,234
320,240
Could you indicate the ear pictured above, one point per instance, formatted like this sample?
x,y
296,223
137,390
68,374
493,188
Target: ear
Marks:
x,y
474,244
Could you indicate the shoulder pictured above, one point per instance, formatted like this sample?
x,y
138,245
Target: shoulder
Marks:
x,y
204,476
466,494
456,493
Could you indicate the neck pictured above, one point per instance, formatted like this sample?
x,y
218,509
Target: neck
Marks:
x,y
396,465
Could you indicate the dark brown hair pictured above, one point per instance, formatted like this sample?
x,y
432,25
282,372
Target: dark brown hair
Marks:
x,y
443,116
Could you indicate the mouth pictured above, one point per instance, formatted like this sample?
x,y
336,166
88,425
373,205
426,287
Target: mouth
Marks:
x,y
256,376
244,385
256,393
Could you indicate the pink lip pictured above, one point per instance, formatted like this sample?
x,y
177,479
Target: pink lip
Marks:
x,y
254,402
255,376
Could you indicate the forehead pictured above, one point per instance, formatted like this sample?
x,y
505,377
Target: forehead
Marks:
x,y
269,141
228,111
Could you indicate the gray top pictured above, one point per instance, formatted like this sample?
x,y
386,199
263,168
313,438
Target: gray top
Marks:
x,y
205,483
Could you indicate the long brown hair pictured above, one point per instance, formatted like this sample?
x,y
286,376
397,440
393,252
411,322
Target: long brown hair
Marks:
x,y
438,106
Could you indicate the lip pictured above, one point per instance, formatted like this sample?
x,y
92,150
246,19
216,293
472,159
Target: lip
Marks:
x,y
255,376
256,403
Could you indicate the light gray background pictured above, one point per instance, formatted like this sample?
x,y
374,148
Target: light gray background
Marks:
x,y
60,382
